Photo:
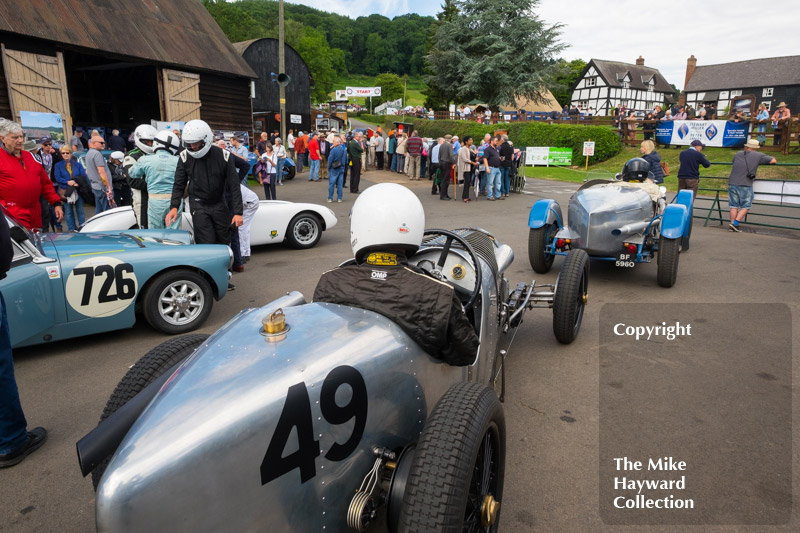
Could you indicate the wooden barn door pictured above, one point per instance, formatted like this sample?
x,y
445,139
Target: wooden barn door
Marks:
x,y
181,92
37,82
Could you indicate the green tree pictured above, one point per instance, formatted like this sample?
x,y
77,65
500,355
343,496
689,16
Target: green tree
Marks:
x,y
314,49
372,63
565,80
235,22
391,87
497,52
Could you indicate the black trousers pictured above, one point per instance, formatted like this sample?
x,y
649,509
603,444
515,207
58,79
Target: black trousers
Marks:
x,y
467,185
445,175
211,222
379,155
355,175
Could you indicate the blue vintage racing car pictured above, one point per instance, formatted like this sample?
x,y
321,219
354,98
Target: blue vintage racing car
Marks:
x,y
64,285
625,221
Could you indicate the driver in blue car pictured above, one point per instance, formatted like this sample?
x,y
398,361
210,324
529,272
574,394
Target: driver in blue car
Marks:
x,y
386,226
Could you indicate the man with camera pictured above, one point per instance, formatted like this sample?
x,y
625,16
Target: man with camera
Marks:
x,y
740,183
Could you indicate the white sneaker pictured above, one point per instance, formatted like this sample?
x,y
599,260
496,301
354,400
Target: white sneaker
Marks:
x,y
329,200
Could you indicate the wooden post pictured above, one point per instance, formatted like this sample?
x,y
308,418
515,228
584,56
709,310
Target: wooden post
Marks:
x,y
587,159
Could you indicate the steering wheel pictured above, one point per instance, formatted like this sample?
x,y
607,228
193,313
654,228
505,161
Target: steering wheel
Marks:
x,y
449,238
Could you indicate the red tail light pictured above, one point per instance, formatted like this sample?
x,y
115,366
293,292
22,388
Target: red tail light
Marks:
x,y
560,243
632,248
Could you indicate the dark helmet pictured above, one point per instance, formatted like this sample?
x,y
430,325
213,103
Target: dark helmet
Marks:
x,y
637,169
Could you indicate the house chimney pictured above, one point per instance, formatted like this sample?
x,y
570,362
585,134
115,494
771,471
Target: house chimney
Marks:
x,y
691,65
640,61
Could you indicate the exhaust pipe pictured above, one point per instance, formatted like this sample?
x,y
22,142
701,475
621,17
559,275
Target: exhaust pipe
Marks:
x,y
634,227
104,440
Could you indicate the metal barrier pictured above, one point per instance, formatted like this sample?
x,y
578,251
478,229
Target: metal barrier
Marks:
x,y
716,207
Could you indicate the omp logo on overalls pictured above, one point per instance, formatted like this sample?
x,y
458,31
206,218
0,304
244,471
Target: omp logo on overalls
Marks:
x,y
379,274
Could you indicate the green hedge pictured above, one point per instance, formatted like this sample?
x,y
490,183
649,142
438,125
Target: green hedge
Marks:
x,y
607,143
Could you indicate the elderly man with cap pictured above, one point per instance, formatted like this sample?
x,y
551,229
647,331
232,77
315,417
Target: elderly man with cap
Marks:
x,y
689,171
740,182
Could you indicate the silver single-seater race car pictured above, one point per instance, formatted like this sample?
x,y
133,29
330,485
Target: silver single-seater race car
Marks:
x,y
301,416
625,221
299,225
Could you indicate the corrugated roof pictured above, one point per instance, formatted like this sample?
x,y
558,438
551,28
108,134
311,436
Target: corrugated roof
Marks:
x,y
179,33
765,72
614,71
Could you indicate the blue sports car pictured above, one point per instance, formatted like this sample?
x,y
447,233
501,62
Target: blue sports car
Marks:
x,y
74,284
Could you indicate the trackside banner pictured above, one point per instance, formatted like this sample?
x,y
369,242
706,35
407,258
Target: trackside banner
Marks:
x,y
710,132
362,91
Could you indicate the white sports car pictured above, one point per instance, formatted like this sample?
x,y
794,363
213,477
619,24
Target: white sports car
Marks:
x,y
299,225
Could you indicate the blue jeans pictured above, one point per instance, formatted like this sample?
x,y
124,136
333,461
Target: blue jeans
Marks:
x,y
69,214
300,162
394,162
505,180
100,201
335,179
280,168
482,182
13,427
740,196
493,183
761,129
313,173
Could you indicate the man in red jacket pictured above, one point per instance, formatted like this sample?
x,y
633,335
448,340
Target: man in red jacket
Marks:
x,y
300,151
414,152
23,180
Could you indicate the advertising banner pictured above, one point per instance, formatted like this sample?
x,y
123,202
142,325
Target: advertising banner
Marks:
x,y
362,91
548,156
341,94
720,133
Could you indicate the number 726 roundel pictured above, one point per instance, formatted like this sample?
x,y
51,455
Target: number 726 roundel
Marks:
x,y
101,286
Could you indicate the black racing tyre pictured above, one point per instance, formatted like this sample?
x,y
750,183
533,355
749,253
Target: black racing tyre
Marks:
x,y
571,291
668,254
685,240
178,301
304,231
146,370
289,172
459,464
538,238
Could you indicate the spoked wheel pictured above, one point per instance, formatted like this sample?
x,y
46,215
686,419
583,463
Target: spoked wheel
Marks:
x,y
178,301
571,295
668,254
538,238
457,473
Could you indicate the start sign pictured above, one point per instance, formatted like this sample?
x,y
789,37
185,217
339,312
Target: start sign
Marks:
x,y
588,148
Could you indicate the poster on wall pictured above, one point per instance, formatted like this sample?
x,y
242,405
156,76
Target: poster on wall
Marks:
x,y
220,135
720,133
38,125
174,125
295,119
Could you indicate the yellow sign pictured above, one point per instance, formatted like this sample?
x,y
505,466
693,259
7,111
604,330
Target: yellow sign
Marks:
x,y
283,100
382,259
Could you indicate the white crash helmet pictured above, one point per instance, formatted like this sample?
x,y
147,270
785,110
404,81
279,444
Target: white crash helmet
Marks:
x,y
196,131
386,216
166,140
144,132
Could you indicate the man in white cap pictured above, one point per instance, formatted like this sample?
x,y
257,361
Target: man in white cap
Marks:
x,y
740,183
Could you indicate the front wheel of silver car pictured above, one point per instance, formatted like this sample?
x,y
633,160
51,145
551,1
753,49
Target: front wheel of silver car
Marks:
x,y
144,372
458,468
178,301
572,289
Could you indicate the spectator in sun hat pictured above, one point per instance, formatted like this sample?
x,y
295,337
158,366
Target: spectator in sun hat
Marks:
x,y
740,182
781,115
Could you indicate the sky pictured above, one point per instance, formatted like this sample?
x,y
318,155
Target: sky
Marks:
x,y
665,34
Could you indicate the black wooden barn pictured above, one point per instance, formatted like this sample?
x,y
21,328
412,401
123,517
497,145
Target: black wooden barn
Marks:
x,y
117,64
262,56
